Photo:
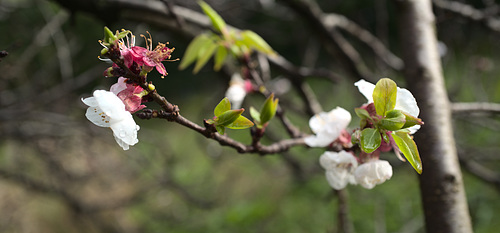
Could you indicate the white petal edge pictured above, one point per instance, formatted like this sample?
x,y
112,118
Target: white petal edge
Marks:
x,y
406,102
90,101
366,89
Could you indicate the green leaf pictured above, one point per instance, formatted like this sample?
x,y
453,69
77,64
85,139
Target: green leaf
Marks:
x,y
217,21
204,56
228,117
220,129
240,123
384,96
370,140
220,57
253,40
255,115
268,110
362,113
393,121
411,121
223,106
409,149
193,50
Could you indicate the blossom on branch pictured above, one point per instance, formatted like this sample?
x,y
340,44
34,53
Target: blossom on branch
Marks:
x,y
150,57
339,168
372,173
404,100
238,89
327,126
107,110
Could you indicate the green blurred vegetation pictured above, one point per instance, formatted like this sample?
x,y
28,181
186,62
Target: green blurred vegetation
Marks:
x,y
175,180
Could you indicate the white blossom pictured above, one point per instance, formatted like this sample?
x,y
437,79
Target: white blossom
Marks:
x,y
107,110
236,92
372,173
327,127
404,100
339,168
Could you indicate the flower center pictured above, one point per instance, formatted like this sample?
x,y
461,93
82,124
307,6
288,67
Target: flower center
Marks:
x,y
160,53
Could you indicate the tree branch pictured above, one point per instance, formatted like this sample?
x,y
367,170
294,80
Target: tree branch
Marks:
x,y
336,20
469,12
472,108
480,171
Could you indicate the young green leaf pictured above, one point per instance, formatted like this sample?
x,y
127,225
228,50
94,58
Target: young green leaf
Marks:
x,y
384,96
204,56
240,123
362,113
393,121
370,140
194,49
228,117
220,57
217,21
409,149
253,40
255,115
220,129
223,106
268,110
411,121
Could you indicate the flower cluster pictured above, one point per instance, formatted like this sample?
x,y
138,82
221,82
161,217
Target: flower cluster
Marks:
x,y
390,114
114,108
342,168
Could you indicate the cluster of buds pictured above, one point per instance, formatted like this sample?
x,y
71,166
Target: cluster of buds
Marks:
x,y
131,64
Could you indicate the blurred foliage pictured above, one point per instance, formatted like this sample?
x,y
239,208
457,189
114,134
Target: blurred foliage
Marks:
x,y
175,180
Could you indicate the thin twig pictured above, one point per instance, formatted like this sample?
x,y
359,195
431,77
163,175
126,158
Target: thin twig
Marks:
x,y
477,107
469,12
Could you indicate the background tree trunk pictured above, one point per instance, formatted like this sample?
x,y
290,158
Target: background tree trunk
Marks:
x,y
441,183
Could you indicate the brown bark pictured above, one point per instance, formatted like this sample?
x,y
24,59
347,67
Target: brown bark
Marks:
x,y
441,184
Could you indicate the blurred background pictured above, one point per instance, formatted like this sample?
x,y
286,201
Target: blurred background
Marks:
x,y
61,173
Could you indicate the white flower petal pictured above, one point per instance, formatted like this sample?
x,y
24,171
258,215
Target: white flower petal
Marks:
x,y
339,168
97,116
110,104
90,101
327,126
366,89
414,129
320,140
109,111
406,102
236,94
121,143
337,180
332,160
372,173
126,130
